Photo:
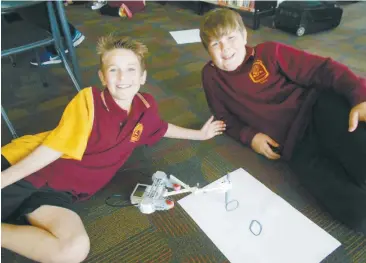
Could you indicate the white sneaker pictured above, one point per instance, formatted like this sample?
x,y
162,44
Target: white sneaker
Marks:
x,y
99,4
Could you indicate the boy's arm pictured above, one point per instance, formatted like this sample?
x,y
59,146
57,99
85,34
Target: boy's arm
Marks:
x,y
234,127
163,129
69,138
39,158
210,129
310,70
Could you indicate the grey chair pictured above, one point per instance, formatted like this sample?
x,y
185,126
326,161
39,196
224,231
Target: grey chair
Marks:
x,y
54,38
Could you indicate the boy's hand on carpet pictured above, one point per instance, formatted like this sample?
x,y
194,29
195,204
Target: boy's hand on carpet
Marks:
x,y
212,128
358,113
262,143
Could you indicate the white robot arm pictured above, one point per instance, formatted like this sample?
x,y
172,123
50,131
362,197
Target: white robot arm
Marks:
x,y
150,198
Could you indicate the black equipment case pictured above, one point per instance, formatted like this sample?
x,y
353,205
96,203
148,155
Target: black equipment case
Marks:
x,y
305,17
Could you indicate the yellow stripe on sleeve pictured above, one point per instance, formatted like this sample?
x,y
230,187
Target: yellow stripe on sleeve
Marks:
x,y
70,136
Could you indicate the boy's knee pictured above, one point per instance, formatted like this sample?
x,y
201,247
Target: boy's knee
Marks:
x,y
73,250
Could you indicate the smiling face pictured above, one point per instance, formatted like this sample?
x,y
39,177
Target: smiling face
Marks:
x,y
228,52
121,73
224,36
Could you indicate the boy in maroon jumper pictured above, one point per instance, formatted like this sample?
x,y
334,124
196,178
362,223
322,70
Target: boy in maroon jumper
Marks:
x,y
286,103
98,131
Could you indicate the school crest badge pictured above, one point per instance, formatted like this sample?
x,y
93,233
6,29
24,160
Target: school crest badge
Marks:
x,y
258,73
137,131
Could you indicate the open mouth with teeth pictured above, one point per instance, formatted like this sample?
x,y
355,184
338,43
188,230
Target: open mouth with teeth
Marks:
x,y
123,86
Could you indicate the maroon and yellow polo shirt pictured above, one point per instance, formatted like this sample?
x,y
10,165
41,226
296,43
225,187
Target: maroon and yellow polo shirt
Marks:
x,y
95,136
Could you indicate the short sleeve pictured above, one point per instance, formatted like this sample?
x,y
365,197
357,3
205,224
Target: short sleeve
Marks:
x,y
158,127
70,136
72,133
19,148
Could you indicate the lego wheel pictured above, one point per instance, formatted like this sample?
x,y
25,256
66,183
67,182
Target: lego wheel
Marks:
x,y
300,31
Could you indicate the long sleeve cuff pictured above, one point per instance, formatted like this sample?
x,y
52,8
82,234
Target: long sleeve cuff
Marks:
x,y
247,134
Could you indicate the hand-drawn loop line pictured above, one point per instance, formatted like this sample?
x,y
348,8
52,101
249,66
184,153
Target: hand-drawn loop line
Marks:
x,y
255,222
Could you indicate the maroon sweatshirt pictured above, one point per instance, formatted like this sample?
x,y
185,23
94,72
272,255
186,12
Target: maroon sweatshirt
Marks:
x,y
273,91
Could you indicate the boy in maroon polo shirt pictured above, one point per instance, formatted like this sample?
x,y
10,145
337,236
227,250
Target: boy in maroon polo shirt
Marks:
x,y
97,133
286,103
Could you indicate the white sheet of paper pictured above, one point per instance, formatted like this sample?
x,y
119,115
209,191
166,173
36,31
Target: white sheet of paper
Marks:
x,y
287,235
186,36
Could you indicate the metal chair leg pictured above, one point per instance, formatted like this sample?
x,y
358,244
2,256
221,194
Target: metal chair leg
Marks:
x,y
70,46
8,123
59,45
54,26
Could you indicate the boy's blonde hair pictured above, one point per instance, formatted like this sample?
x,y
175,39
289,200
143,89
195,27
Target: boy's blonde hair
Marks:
x,y
218,23
112,42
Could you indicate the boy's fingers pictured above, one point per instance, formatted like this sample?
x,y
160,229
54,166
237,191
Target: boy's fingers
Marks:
x,y
275,157
219,122
219,125
353,121
273,143
270,154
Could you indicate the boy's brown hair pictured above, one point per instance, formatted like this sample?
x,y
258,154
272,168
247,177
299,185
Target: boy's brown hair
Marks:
x,y
112,42
218,23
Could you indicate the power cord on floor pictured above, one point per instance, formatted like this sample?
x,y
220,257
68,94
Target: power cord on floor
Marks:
x,y
125,203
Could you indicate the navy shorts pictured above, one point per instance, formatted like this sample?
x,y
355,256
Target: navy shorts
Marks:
x,y
22,198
